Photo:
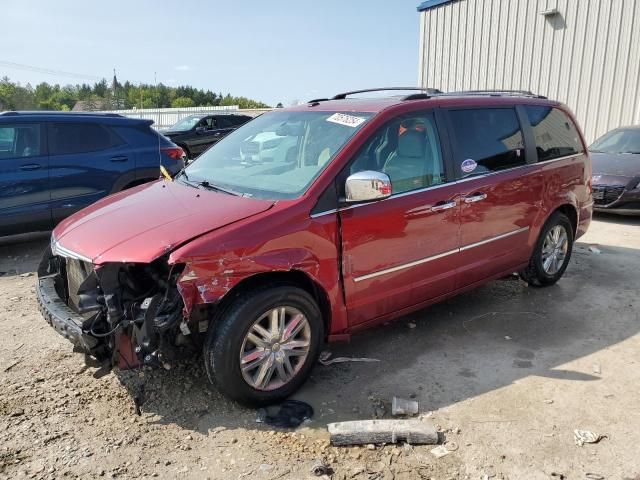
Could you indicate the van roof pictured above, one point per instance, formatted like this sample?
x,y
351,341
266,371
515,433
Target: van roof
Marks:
x,y
428,96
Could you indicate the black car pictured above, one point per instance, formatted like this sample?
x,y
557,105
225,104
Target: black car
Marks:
x,y
196,133
616,171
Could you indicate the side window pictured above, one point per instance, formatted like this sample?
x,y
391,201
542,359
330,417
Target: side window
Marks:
x,y
408,150
19,140
486,140
224,122
556,135
70,138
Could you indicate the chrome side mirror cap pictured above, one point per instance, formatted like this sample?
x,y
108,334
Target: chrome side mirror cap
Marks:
x,y
367,186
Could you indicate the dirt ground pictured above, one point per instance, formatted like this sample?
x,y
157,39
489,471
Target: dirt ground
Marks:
x,y
506,372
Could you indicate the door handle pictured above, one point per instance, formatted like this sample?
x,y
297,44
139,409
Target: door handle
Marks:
x,y
476,197
443,206
119,159
31,166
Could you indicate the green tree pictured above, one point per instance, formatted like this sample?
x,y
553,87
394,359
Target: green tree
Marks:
x,y
182,102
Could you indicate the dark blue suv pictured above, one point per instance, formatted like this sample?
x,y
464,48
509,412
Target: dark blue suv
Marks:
x,y
52,164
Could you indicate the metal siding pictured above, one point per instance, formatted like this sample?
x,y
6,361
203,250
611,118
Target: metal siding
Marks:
x,y
588,56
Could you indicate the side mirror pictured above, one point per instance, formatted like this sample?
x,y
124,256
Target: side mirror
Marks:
x,y
201,130
367,186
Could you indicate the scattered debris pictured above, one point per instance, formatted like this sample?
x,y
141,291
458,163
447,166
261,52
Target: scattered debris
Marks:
x,y
378,407
411,325
595,250
320,467
440,451
12,365
561,476
400,406
585,436
360,432
290,414
450,445
548,401
325,359
507,337
596,368
594,476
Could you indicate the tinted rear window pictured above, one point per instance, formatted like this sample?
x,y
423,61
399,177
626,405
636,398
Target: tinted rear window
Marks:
x,y
486,140
556,135
70,138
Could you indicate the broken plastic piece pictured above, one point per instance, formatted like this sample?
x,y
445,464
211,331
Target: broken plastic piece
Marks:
x,y
291,414
325,359
585,436
400,406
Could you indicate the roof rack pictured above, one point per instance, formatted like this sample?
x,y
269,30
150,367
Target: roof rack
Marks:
x,y
428,91
497,93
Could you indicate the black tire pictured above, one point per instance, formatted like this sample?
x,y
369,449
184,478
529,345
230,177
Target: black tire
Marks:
x,y
535,273
226,338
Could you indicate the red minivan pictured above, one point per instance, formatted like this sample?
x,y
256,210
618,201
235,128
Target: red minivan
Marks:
x,y
310,223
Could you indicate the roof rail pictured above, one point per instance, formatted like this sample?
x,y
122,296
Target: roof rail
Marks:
x,y
342,96
497,93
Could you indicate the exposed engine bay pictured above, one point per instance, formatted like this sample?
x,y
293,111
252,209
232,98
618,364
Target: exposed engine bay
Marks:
x,y
119,314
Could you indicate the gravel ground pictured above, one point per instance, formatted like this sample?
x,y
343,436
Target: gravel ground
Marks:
x,y
506,372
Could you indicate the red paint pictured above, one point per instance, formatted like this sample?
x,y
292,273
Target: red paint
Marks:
x,y
224,240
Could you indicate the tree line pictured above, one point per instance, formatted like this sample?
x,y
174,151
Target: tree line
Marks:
x,y
104,96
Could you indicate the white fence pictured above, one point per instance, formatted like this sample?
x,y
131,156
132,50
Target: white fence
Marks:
x,y
165,117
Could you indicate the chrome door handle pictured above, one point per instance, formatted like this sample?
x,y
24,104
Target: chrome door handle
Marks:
x,y
477,197
443,206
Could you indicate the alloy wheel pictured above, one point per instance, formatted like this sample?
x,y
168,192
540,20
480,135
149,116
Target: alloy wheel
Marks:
x,y
275,348
554,249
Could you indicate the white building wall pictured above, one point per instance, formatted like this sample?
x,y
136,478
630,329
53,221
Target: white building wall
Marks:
x,y
587,55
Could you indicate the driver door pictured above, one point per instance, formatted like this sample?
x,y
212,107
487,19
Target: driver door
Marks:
x,y
401,251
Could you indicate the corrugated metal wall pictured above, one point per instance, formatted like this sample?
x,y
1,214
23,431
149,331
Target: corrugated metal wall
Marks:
x,y
587,55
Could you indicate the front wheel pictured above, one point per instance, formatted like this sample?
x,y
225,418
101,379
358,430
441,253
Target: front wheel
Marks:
x,y
552,252
264,345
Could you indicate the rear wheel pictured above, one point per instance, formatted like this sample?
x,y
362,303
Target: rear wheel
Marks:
x,y
265,345
552,252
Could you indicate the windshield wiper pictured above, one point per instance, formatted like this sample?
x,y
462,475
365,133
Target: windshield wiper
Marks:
x,y
210,186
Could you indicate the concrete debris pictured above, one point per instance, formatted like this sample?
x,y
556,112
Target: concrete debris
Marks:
x,y
320,468
595,250
585,436
362,432
325,359
400,406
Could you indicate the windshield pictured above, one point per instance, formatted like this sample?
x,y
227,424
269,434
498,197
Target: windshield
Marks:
x,y
618,141
277,155
185,124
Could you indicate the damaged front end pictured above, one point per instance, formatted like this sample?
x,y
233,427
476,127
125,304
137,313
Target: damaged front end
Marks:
x,y
118,314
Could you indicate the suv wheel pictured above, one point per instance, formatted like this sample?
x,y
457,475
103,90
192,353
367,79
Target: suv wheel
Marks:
x,y
264,345
552,252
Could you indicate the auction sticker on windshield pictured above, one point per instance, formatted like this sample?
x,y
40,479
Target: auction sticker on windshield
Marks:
x,y
346,120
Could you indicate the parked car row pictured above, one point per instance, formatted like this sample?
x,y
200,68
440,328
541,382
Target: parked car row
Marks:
x,y
53,164
196,133
314,222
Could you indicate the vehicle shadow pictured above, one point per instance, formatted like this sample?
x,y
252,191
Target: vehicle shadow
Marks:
x,y
21,254
456,350
617,219
460,349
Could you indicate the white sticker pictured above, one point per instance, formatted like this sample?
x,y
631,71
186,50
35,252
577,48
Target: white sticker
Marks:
x,y
468,165
346,120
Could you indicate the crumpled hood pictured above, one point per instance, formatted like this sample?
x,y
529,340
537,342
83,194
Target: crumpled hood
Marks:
x,y
143,223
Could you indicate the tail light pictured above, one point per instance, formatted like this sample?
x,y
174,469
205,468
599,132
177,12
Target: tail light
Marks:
x,y
174,153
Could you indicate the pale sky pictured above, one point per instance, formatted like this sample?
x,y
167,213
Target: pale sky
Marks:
x,y
277,51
